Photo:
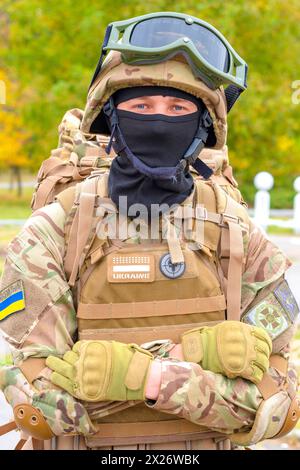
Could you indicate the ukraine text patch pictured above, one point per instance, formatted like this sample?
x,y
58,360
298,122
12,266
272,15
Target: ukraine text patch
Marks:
x,y
132,267
12,299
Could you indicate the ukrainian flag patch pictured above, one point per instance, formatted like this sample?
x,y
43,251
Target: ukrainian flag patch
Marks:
x,y
12,299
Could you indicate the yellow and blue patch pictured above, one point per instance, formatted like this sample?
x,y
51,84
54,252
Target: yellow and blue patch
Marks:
x,y
12,299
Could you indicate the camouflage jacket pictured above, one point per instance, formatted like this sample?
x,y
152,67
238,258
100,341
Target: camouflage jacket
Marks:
x,y
47,326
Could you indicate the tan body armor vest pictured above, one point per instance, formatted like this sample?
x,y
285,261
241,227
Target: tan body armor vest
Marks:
x,y
122,293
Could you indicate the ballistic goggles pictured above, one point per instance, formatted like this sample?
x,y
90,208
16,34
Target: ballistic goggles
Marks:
x,y
157,37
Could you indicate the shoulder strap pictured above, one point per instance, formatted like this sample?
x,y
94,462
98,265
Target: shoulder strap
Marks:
x,y
66,198
234,222
82,228
206,211
219,208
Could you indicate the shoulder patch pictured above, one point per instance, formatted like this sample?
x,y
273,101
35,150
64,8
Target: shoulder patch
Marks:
x,y
276,312
12,299
288,302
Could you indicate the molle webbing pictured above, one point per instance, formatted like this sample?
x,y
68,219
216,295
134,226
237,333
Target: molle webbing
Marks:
x,y
155,308
142,334
149,432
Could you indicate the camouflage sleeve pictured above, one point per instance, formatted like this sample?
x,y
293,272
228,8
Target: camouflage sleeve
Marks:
x,y
38,319
229,406
205,398
38,316
267,300
265,264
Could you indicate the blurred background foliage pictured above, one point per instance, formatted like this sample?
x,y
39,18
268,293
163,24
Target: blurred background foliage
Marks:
x,y
48,52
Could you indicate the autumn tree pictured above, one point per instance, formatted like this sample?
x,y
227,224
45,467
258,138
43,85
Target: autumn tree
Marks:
x,y
13,136
51,48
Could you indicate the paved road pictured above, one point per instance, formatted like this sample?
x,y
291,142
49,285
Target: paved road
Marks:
x,y
290,245
18,222
10,440
26,184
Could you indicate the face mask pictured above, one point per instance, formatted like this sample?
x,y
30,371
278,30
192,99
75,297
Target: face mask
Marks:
x,y
157,141
149,167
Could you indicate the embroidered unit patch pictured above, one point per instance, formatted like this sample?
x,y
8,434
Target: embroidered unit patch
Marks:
x,y
276,312
131,268
288,302
12,299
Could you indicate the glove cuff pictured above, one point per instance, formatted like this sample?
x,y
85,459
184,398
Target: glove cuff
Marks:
x,y
137,373
192,347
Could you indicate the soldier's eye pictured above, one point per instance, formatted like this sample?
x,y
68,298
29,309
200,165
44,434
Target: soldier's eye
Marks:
x,y
177,107
141,106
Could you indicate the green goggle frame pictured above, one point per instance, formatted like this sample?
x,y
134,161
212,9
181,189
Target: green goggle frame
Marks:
x,y
208,53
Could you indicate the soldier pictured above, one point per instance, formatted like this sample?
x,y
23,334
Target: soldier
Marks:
x,y
122,337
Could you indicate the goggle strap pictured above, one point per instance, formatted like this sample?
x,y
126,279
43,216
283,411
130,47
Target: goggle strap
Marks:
x,y
232,93
102,55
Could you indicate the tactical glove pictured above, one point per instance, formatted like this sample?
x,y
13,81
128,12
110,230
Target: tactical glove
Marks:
x,y
102,370
231,348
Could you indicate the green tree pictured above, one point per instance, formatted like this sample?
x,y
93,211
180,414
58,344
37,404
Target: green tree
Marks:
x,y
51,49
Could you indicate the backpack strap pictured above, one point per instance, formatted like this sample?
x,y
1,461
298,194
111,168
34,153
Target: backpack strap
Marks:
x,y
66,198
54,171
230,217
231,250
234,241
6,428
82,228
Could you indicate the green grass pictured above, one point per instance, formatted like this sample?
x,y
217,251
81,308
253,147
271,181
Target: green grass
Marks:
x,y
14,207
7,233
12,211
26,176
274,230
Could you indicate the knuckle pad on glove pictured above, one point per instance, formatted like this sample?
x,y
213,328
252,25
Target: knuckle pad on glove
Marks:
x,y
232,348
93,377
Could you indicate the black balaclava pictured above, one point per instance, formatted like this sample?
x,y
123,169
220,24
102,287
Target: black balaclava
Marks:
x,y
158,141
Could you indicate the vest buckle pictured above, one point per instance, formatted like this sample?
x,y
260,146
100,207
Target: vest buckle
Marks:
x,y
228,218
201,213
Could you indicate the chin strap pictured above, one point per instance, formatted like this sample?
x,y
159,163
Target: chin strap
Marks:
x,y
190,158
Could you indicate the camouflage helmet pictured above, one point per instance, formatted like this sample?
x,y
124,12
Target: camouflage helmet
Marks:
x,y
168,49
176,72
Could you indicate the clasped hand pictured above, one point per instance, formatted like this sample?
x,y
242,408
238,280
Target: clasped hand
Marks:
x,y
102,370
